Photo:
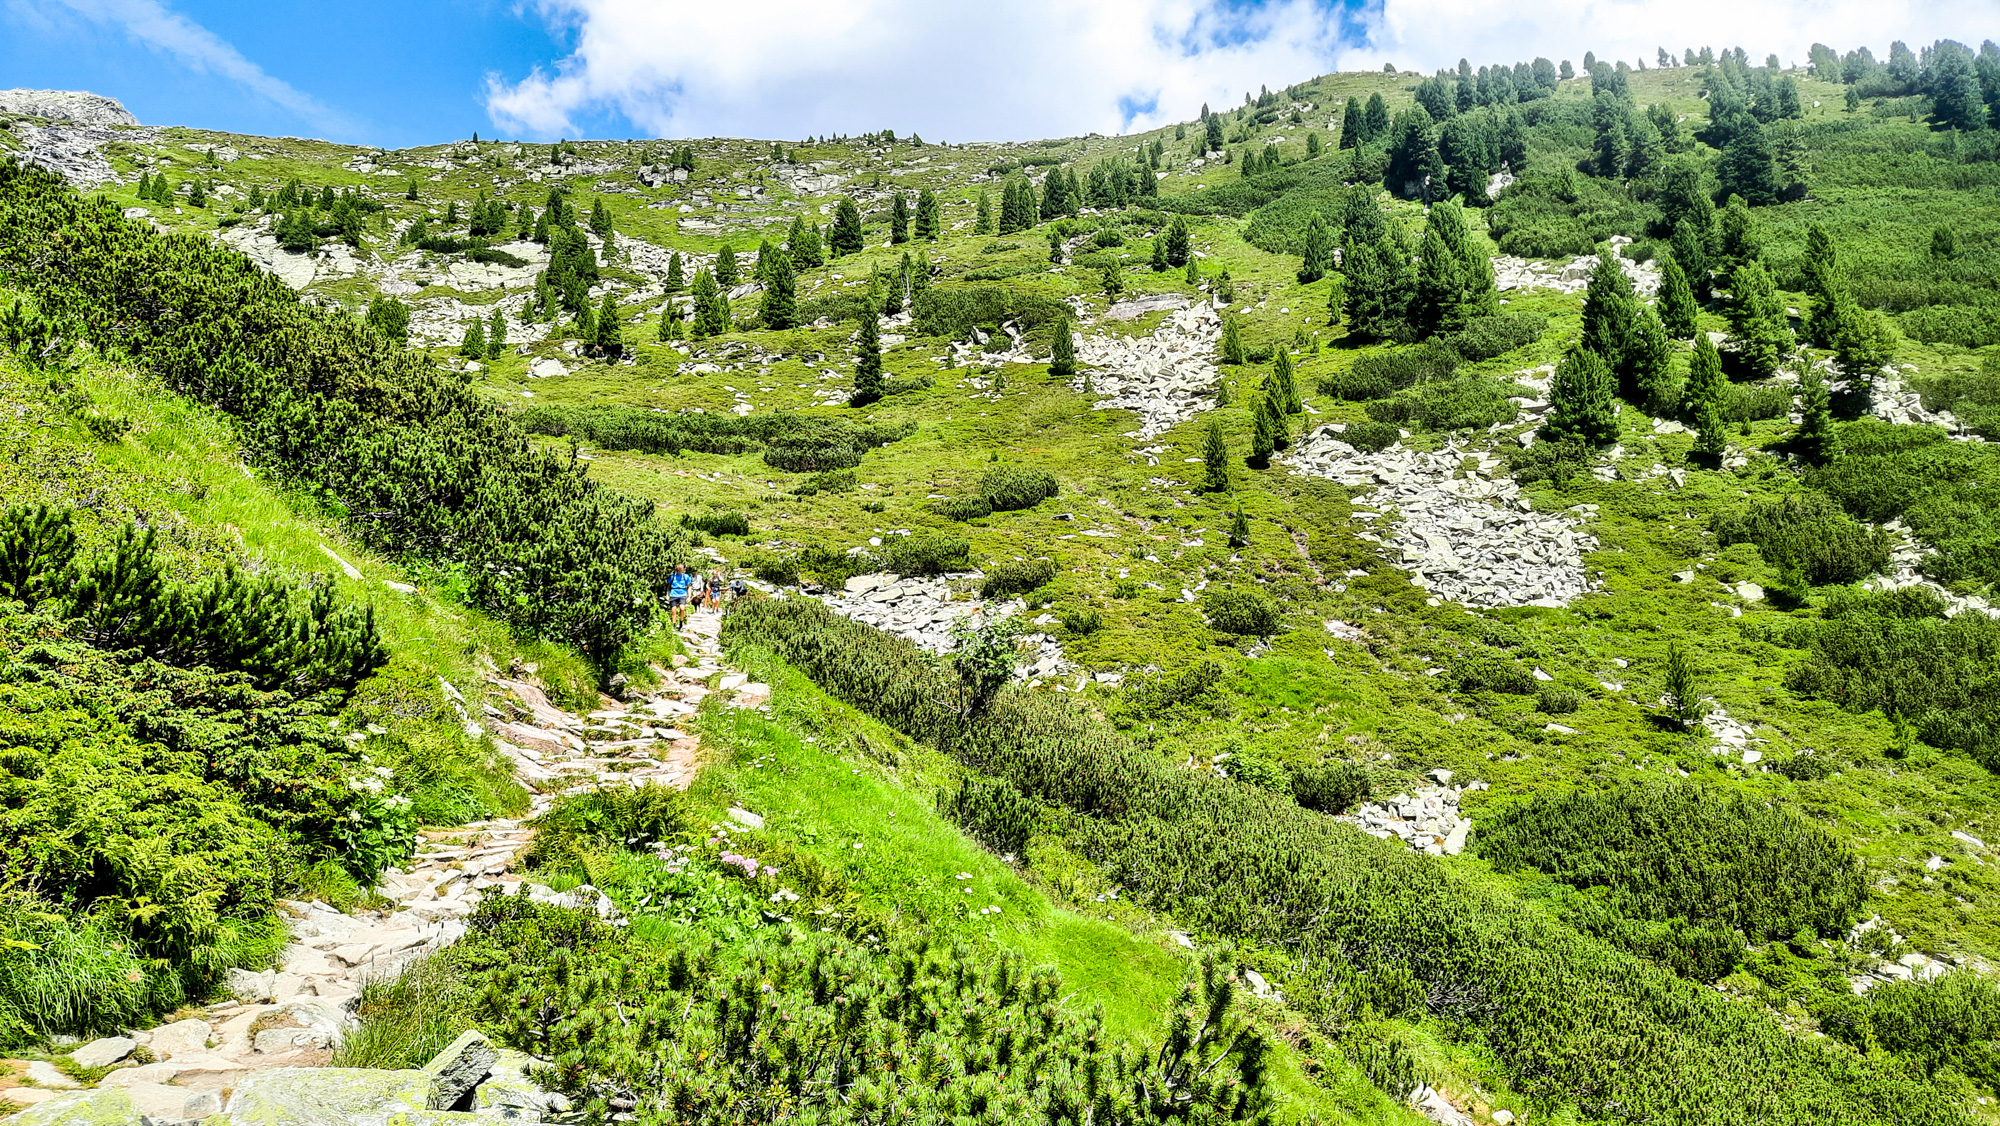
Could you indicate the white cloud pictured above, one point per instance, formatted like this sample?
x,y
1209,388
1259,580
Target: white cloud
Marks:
x,y
1427,34
198,48
950,71
1044,68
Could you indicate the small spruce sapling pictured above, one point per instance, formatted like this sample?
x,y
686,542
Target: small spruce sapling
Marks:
x,y
1062,364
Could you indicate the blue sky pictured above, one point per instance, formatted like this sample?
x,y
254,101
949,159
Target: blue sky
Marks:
x,y
424,71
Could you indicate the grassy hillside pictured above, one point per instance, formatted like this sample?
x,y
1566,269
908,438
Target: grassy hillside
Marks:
x,y
1861,726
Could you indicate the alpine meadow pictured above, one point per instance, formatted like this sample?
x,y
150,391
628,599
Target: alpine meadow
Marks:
x,y
1459,598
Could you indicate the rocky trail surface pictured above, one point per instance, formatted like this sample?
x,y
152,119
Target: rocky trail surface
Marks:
x,y
260,1056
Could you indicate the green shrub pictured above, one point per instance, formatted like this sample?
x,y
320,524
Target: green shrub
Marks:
x,y
1484,671
1807,530
1081,620
1242,611
628,817
1011,488
1745,403
1567,1017
926,553
1371,436
1562,214
1968,326
993,811
963,508
1380,374
954,312
1483,338
718,523
1682,851
1550,700
1951,1022
1896,652
1196,689
832,481
1330,787
417,459
1454,404
1010,577
1974,397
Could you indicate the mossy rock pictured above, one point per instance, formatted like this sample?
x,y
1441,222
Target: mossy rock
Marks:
x,y
331,1096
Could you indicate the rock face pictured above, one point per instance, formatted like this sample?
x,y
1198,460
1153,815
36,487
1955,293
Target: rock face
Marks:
x,y
1465,535
104,1052
329,1096
460,1068
1165,378
1427,821
77,107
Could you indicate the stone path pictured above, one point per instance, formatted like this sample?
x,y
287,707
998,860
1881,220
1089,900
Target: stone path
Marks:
x,y
294,1015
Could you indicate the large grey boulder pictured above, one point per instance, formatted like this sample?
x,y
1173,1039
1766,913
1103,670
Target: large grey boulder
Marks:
x,y
329,1096
508,1095
104,1052
459,1068
78,106
105,1106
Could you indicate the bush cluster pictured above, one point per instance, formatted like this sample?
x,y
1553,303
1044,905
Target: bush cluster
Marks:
x,y
1010,577
421,465
1570,1018
1243,611
925,554
1381,374
1810,532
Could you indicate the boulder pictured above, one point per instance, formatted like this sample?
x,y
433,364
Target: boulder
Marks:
x,y
460,1067
172,1104
181,1038
105,1106
104,1052
42,1073
508,1095
250,987
329,1096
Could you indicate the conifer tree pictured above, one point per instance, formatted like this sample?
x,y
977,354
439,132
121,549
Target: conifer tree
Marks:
x,y
845,236
1711,431
1263,436
1180,246
899,220
1677,307
1215,456
1375,120
676,279
1062,363
524,228
1758,325
473,345
781,302
496,334
1284,385
1231,345
1650,355
391,318
1705,382
1610,316
1814,442
1735,239
1825,288
929,216
1318,250
1159,258
1690,246
1193,272
1746,170
1352,124
867,363
725,267
1862,342
670,321
1212,136
708,318
982,220
1580,404
1312,146
410,191
1114,279
610,335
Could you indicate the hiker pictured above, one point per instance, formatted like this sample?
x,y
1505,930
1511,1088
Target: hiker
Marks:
x,y
677,594
715,588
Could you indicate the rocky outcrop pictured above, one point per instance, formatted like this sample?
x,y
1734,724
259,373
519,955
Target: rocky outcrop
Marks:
x,y
1468,535
1572,276
1426,820
925,611
1165,378
75,107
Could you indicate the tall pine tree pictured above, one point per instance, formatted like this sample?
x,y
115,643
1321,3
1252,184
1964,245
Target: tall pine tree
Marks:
x,y
845,236
1062,364
781,283
867,363
1317,246
1285,386
1759,329
1705,382
929,217
1610,317
1677,307
1580,403
899,219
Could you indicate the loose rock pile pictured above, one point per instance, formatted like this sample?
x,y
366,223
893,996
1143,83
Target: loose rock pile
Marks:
x,y
1467,534
291,1017
1428,821
1574,276
1165,378
924,611
1906,555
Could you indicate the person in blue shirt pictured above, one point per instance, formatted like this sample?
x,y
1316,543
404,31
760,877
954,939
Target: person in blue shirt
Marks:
x,y
677,594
